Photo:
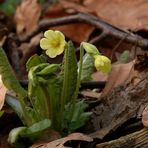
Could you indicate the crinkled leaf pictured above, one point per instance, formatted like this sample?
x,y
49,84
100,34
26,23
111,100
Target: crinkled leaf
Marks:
x,y
28,132
50,69
88,67
79,116
70,72
45,91
36,129
15,105
15,134
34,61
34,115
8,77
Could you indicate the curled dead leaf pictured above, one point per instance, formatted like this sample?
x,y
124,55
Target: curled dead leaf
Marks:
x,y
60,142
90,94
119,74
145,116
119,12
27,16
72,31
74,6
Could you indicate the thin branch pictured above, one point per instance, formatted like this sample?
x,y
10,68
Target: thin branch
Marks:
x,y
98,38
92,20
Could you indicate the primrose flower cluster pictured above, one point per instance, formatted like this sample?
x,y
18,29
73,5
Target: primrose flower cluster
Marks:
x,y
54,44
102,63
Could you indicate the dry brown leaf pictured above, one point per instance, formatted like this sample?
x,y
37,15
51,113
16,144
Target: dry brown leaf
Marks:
x,y
60,142
73,6
27,16
125,14
77,32
3,91
90,93
145,116
119,74
99,76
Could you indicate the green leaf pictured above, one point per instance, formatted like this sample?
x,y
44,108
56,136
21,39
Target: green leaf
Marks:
x,y
124,57
15,105
31,132
36,128
78,118
50,69
34,61
45,91
9,6
15,134
87,68
8,76
70,73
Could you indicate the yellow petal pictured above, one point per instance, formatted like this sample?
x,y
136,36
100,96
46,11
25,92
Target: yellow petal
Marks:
x,y
44,44
102,63
51,53
54,42
60,50
50,34
60,35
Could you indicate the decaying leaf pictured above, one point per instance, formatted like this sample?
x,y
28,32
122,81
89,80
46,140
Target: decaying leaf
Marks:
x,y
119,12
3,91
72,6
27,16
90,93
60,142
99,76
119,74
145,116
73,31
77,35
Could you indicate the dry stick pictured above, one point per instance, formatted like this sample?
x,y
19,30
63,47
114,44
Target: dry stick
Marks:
x,y
98,38
137,139
92,20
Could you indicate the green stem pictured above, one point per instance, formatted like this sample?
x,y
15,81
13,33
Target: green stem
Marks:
x,y
79,74
28,121
78,80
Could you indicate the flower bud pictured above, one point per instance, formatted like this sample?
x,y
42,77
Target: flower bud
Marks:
x,y
102,63
90,49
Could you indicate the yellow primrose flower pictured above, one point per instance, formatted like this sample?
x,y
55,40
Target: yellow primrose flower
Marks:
x,y
54,43
102,63
90,49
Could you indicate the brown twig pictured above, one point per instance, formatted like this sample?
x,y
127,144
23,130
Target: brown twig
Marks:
x,y
92,20
98,38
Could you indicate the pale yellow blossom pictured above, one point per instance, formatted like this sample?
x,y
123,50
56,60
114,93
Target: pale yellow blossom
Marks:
x,y
54,43
102,63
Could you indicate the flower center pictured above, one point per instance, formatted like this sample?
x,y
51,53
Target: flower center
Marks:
x,y
55,44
